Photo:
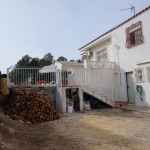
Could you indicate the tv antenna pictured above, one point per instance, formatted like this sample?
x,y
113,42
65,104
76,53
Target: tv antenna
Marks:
x,y
132,8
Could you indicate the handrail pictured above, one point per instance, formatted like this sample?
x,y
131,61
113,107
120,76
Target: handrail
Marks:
x,y
94,79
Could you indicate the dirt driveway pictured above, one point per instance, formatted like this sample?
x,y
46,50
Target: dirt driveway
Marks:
x,y
105,129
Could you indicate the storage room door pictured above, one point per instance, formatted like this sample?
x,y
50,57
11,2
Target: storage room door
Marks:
x,y
130,88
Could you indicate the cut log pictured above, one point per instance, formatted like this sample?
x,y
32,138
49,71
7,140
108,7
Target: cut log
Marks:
x,y
32,106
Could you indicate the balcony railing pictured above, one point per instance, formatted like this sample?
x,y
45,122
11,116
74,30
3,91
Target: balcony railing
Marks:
x,y
101,64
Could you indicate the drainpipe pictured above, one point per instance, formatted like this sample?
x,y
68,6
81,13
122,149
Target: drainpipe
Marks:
x,y
117,48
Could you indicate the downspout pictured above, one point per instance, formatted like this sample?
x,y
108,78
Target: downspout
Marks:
x,y
117,49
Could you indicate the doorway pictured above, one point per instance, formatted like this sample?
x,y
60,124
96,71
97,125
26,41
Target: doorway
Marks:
x,y
130,88
72,98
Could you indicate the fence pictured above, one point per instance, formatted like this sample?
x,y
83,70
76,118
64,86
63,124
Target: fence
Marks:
x,y
34,77
30,76
99,79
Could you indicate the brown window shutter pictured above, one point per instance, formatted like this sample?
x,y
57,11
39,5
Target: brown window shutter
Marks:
x,y
134,34
127,38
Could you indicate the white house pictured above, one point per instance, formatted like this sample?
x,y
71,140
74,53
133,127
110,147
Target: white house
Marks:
x,y
116,68
128,46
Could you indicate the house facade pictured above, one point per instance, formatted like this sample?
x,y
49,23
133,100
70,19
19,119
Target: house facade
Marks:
x,y
128,46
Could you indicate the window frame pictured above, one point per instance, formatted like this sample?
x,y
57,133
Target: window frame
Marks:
x,y
148,73
136,31
99,51
139,75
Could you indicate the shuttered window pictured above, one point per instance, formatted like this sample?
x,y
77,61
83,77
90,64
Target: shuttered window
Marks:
x,y
101,55
148,73
139,75
134,34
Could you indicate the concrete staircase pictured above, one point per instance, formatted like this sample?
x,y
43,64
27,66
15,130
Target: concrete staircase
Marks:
x,y
95,93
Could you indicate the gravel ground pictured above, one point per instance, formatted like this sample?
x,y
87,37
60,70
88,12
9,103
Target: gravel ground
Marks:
x,y
104,129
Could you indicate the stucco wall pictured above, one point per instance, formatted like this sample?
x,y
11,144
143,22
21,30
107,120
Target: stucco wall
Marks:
x,y
127,58
144,98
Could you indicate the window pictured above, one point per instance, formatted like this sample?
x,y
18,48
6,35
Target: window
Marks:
x,y
139,75
148,73
101,54
134,34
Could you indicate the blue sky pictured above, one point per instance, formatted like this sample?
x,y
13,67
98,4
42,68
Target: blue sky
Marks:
x,y
61,27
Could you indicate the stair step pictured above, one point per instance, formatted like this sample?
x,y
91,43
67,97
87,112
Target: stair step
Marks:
x,y
104,99
97,95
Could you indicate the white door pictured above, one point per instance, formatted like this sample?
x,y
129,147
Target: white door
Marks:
x,y
130,88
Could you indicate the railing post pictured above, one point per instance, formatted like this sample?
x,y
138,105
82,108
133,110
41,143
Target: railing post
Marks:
x,y
8,79
113,97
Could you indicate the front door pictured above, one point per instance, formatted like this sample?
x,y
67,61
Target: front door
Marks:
x,y
130,88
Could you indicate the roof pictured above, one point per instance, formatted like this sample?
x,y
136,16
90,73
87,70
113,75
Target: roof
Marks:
x,y
69,63
50,68
147,8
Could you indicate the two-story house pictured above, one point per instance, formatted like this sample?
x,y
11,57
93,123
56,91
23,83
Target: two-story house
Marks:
x,y
128,46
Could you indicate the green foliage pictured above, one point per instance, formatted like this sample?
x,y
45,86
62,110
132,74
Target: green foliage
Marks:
x,y
62,58
48,57
24,62
28,62
35,62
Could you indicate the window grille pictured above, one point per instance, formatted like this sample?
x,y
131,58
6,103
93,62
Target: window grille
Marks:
x,y
134,34
139,75
148,73
101,55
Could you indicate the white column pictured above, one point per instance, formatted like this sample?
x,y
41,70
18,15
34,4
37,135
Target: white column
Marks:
x,y
81,98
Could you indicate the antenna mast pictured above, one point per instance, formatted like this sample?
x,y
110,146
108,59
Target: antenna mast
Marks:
x,y
132,8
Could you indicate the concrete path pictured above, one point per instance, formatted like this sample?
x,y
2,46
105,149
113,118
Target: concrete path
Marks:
x,y
131,107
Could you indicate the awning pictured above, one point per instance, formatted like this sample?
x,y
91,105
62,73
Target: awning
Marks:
x,y
47,69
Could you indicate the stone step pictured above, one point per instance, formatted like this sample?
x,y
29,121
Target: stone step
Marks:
x,y
97,95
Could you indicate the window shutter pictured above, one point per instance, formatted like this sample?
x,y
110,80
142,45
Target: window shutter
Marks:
x,y
134,34
127,38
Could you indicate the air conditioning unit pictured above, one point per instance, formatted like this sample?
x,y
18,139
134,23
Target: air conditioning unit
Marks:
x,y
89,53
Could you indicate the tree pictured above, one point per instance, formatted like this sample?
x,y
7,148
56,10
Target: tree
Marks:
x,y
61,58
46,60
48,57
24,62
35,62
24,75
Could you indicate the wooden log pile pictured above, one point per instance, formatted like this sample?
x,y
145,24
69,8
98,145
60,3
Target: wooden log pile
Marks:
x,y
30,105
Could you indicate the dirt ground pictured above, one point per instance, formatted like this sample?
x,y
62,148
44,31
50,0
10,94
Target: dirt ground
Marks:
x,y
105,129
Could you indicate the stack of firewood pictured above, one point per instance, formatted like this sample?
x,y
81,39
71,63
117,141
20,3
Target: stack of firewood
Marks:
x,y
32,106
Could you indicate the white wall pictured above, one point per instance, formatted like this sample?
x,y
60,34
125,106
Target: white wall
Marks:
x,y
144,99
127,58
130,56
59,65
